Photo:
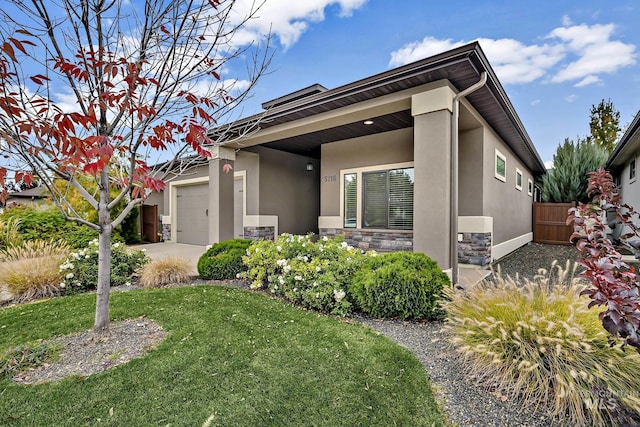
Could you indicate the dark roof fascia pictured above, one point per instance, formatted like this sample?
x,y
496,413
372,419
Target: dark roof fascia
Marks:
x,y
470,52
35,192
616,159
501,97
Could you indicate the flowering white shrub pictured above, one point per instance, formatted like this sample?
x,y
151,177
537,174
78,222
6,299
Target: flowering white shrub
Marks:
x,y
80,269
313,275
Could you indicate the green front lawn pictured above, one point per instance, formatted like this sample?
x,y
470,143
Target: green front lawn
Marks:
x,y
231,357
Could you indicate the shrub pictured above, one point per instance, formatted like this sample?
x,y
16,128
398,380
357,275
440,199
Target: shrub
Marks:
x,y
223,260
539,343
401,284
80,269
312,275
165,271
47,223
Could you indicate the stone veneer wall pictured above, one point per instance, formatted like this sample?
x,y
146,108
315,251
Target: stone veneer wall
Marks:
x,y
475,248
381,241
257,233
166,232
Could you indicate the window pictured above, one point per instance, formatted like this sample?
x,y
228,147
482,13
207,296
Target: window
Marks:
x,y
529,187
518,179
632,170
501,166
350,200
387,199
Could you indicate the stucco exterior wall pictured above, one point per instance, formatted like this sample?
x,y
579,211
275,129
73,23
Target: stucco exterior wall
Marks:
x,y
288,190
201,171
250,162
470,172
510,208
380,149
156,199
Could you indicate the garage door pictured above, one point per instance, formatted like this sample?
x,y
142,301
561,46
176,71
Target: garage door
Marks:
x,y
192,212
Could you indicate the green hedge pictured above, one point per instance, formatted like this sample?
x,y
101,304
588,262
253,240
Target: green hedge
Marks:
x,y
47,223
223,260
401,284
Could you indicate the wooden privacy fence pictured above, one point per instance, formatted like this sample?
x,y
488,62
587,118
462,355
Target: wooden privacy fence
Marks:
x,y
549,223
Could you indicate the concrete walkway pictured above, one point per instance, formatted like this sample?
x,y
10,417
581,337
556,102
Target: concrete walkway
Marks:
x,y
169,249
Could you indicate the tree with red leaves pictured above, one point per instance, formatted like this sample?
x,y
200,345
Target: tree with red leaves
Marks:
x,y
95,88
615,283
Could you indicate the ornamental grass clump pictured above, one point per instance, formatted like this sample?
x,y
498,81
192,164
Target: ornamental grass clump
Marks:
x,y
539,343
165,271
314,275
30,270
9,234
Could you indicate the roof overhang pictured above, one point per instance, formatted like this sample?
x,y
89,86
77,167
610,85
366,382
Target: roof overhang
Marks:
x,y
302,125
628,146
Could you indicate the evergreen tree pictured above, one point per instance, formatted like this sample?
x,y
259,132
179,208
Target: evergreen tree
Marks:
x,y
567,181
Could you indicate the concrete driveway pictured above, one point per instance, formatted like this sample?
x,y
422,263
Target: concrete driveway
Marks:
x,y
168,249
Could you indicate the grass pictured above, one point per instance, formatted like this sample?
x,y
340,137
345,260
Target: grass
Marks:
x,y
231,358
539,343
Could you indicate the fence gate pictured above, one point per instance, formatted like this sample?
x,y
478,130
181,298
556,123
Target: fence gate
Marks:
x,y
549,223
150,223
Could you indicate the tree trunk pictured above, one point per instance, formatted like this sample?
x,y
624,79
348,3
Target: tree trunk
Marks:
x,y
101,322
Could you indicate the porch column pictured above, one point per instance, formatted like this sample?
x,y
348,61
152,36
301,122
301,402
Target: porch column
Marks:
x,y
221,195
432,114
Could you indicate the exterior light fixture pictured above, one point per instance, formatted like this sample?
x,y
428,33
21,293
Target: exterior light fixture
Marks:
x,y
368,122
309,167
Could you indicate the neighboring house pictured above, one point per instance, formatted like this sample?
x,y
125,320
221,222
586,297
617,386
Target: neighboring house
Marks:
x,y
372,160
36,195
623,165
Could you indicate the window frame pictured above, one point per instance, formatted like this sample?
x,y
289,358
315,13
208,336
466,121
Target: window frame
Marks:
x,y
633,172
344,201
521,176
499,156
359,203
529,187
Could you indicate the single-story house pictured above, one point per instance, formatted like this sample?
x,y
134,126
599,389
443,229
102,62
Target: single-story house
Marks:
x,y
622,163
383,161
31,196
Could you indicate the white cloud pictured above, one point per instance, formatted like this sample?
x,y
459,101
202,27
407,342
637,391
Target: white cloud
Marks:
x,y
594,50
569,53
571,98
548,164
589,80
287,19
535,102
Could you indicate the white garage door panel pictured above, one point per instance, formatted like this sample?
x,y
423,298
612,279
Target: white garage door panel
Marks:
x,y
192,214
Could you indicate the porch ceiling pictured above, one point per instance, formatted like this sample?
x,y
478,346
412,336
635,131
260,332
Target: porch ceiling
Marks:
x,y
308,144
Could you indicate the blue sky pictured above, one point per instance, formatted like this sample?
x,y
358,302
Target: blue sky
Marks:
x,y
554,58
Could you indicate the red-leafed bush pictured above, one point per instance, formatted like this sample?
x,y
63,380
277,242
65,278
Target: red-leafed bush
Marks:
x,y
614,282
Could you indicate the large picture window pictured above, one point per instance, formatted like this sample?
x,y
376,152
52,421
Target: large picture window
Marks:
x,y
387,199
